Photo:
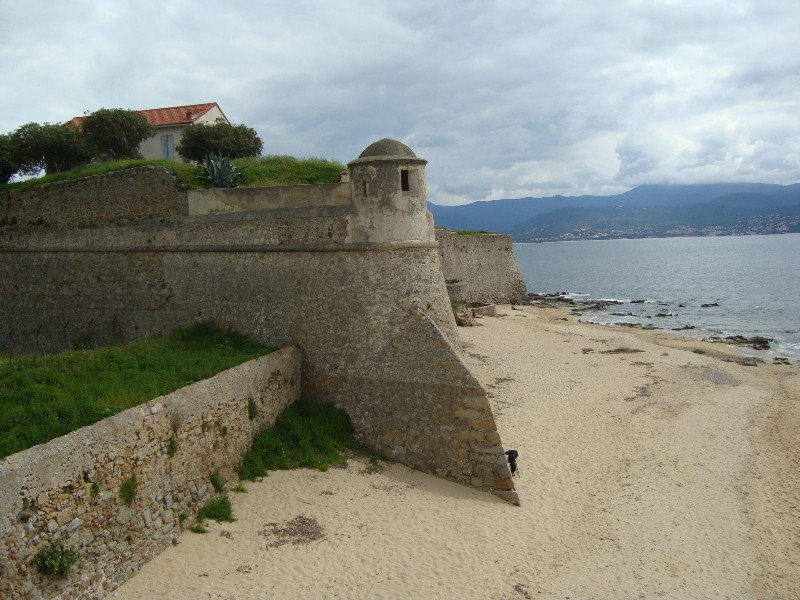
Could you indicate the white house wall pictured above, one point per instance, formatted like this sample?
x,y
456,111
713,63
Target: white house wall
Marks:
x,y
151,147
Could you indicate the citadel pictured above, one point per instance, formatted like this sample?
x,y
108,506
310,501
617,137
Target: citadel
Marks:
x,y
350,278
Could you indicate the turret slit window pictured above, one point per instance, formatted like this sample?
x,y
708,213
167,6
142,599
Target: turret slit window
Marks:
x,y
365,188
404,180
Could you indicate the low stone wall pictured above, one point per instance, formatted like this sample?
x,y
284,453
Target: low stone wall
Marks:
x,y
130,194
68,490
480,268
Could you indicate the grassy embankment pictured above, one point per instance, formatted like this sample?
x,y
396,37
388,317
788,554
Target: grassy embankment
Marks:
x,y
255,172
44,397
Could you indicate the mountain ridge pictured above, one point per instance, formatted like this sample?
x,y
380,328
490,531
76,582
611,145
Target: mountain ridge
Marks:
x,y
644,211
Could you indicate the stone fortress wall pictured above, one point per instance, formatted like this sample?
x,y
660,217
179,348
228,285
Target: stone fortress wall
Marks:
x,y
67,491
349,272
134,193
480,268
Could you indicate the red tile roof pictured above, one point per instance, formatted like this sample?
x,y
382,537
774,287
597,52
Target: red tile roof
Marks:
x,y
173,115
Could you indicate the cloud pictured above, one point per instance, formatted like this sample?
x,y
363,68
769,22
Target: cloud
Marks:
x,y
508,99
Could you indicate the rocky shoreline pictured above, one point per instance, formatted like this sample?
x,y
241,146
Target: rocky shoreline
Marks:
x,y
580,307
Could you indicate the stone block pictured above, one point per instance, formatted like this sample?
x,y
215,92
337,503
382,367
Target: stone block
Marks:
x,y
483,424
492,437
509,496
504,484
468,413
73,525
469,435
64,517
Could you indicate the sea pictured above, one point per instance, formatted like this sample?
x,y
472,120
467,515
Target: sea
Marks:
x,y
750,285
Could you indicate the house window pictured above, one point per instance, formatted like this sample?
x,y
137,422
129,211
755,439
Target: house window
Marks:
x,y
404,180
167,147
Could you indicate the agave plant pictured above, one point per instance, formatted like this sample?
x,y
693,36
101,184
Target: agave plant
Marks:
x,y
219,171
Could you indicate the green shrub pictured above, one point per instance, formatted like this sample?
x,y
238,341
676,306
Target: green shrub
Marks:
x,y
7,164
172,446
115,133
252,409
197,528
128,489
54,560
217,482
218,509
95,489
54,148
305,434
82,342
234,141
456,305
182,517
240,489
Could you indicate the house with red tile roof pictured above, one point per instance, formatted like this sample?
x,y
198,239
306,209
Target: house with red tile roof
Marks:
x,y
170,123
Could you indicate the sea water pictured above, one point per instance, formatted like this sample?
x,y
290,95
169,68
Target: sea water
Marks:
x,y
753,280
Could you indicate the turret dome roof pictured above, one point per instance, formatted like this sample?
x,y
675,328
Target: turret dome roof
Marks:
x,y
387,147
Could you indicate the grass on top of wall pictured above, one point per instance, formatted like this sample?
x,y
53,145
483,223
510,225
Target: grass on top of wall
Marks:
x,y
305,434
44,397
254,172
467,232
286,170
187,175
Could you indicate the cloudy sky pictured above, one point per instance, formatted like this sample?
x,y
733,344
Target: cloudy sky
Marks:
x,y
505,99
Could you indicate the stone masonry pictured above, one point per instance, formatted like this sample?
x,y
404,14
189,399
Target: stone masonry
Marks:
x,y
480,268
349,272
67,491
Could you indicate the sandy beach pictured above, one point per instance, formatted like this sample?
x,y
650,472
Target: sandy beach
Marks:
x,y
651,466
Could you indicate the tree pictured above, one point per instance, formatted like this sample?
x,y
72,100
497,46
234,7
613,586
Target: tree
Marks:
x,y
51,147
7,165
219,138
114,133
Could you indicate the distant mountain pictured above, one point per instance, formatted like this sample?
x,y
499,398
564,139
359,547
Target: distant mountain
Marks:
x,y
645,211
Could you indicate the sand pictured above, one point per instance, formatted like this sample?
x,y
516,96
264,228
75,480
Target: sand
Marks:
x,y
659,473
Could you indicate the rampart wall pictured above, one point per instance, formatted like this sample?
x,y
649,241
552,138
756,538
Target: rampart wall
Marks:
x,y
67,491
349,272
480,268
130,194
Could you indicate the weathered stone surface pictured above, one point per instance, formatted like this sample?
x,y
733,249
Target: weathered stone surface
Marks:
x,y
350,272
131,194
482,268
